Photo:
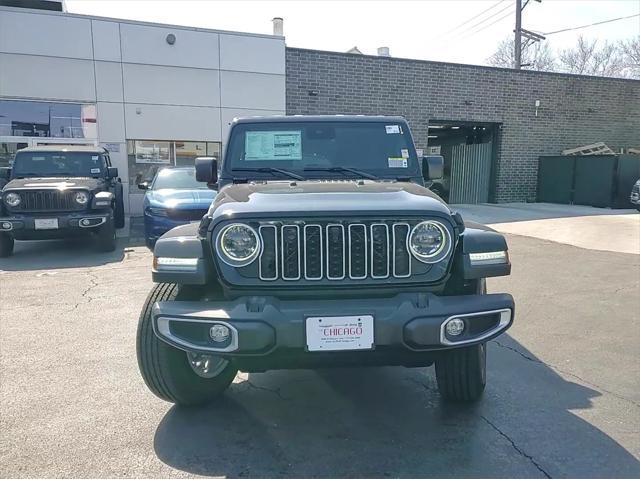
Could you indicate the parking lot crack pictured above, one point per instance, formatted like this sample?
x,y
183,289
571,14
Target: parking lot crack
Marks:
x,y
567,373
262,388
93,283
517,448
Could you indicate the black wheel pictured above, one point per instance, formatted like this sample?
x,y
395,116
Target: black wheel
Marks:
x,y
6,245
118,210
462,373
172,374
106,240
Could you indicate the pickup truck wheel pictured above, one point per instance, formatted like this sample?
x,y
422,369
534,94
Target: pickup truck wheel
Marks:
x,y
106,240
171,374
6,245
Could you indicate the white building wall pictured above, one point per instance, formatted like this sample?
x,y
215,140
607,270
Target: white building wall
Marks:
x,y
144,88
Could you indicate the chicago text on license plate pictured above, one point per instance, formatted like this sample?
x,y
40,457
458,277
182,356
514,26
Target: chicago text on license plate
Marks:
x,y
339,333
46,224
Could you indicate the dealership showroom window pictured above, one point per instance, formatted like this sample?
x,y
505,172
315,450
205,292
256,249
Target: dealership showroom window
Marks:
x,y
145,157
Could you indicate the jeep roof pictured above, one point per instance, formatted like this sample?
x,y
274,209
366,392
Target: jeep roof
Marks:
x,y
80,148
311,118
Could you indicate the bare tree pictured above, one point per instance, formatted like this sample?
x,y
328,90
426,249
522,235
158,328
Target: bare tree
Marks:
x,y
631,56
589,57
537,56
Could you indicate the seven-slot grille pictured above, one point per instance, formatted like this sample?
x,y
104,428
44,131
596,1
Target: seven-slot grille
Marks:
x,y
48,200
334,251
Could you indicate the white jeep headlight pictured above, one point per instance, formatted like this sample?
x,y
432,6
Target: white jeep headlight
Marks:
x,y
12,199
81,197
430,241
238,244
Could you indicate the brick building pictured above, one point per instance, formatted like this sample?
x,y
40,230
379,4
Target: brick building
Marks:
x,y
523,114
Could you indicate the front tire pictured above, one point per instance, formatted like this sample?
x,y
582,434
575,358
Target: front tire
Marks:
x,y
462,373
106,240
166,370
6,245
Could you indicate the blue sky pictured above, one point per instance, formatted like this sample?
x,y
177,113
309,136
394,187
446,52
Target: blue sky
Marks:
x,y
463,31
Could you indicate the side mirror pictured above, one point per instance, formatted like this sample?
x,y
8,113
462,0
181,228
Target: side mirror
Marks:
x,y
432,167
112,172
5,173
207,170
143,186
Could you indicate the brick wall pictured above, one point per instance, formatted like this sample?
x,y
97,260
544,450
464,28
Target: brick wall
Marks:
x,y
575,110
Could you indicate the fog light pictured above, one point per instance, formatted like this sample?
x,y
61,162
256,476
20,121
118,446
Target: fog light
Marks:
x,y
219,333
85,222
455,327
6,225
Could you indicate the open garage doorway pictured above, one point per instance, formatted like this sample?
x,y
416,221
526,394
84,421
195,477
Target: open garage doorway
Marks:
x,y
469,152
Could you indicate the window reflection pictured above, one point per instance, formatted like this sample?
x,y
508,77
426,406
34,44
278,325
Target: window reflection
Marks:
x,y
145,157
46,119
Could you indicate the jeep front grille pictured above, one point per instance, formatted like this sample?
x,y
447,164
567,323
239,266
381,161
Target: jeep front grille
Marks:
x,y
47,200
334,250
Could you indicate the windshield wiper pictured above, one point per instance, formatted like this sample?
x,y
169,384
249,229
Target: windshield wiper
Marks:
x,y
270,169
344,169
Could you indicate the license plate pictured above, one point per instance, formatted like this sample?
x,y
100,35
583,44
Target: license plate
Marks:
x,y
339,333
46,224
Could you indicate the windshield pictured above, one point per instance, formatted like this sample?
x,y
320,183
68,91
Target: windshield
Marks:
x,y
58,163
177,179
319,149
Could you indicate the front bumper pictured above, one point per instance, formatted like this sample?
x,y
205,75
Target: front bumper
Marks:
x,y
23,226
266,326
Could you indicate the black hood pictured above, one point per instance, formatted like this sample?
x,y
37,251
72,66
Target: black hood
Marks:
x,y
303,197
54,183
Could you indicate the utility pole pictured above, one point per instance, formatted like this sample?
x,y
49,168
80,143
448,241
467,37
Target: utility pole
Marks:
x,y
518,36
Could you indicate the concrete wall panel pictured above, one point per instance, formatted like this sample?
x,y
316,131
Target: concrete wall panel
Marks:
x,y
164,85
164,122
147,44
29,76
252,90
252,54
108,81
35,34
106,40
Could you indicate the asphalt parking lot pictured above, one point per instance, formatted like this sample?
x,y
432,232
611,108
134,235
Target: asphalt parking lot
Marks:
x,y
563,394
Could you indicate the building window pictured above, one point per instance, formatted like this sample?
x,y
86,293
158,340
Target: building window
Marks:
x,y
47,120
146,156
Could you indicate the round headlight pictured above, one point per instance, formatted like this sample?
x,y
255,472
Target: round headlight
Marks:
x,y
12,199
429,241
238,244
81,197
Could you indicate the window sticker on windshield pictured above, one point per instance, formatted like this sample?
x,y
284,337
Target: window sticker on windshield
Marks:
x,y
391,129
95,170
273,145
95,158
404,152
398,163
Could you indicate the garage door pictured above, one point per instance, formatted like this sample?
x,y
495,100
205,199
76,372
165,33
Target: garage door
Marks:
x,y
470,173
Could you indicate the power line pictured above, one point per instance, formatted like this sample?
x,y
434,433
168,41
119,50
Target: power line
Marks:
x,y
593,24
475,17
486,19
470,34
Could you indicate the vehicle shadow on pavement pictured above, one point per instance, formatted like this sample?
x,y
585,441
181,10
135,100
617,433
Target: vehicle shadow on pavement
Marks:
x,y
60,254
391,422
